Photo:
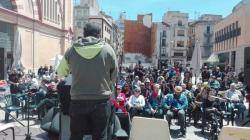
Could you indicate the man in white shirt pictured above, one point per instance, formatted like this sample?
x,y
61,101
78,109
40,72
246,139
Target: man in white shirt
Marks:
x,y
236,99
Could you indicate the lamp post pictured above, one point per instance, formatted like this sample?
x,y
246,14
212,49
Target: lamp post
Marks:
x,y
170,50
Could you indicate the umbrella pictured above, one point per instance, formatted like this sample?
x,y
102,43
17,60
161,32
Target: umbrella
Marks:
x,y
196,62
213,58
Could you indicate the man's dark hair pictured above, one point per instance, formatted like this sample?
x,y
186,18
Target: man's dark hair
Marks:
x,y
91,29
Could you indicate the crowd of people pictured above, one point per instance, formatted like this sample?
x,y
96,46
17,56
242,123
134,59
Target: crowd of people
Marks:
x,y
171,92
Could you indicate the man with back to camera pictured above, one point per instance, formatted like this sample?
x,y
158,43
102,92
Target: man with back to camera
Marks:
x,y
93,66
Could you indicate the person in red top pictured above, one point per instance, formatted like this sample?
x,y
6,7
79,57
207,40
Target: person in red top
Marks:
x,y
120,101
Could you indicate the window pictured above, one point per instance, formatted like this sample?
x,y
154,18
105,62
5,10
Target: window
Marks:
x,y
180,23
180,33
178,54
163,42
79,24
6,4
180,43
56,18
163,51
208,29
51,9
79,13
164,34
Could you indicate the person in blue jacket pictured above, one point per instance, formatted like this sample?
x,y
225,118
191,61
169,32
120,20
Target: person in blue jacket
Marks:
x,y
176,104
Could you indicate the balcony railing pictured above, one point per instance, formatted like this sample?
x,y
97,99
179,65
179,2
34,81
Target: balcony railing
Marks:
x,y
208,34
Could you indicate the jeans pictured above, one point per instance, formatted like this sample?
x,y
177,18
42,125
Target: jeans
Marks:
x,y
181,118
90,117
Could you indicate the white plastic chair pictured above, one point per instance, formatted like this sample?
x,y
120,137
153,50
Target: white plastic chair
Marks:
x,y
234,133
149,129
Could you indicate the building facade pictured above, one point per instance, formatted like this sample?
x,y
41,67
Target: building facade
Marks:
x,y
82,12
161,53
33,32
105,25
139,39
232,37
178,23
201,32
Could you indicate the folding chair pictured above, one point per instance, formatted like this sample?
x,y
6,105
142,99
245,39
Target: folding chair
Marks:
x,y
149,129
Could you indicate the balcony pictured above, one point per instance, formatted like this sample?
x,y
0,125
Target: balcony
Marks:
x,y
208,34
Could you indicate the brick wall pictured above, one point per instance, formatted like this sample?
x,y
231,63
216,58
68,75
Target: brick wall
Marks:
x,y
139,38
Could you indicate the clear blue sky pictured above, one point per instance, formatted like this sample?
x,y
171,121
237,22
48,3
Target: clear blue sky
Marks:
x,y
159,7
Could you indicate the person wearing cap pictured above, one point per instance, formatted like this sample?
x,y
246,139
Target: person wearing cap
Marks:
x,y
176,104
93,65
136,102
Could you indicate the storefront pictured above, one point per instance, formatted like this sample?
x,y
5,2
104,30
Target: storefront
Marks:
x,y
6,47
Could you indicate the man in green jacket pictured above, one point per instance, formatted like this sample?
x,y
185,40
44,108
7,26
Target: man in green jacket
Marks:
x,y
93,66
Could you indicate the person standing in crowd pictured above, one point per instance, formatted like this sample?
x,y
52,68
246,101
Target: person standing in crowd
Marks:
x,y
241,76
40,72
205,74
93,66
217,73
14,79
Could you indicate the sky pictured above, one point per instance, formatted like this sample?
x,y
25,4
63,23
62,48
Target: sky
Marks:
x,y
159,7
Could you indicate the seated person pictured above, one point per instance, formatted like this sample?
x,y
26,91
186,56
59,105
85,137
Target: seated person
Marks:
x,y
177,103
119,102
153,103
190,98
214,83
136,102
236,99
209,107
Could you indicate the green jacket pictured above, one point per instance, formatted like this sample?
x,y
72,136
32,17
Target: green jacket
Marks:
x,y
93,66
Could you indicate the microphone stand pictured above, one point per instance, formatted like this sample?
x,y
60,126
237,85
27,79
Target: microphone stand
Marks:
x,y
28,135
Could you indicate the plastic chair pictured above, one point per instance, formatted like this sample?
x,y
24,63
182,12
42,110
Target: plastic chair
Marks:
x,y
149,129
12,103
